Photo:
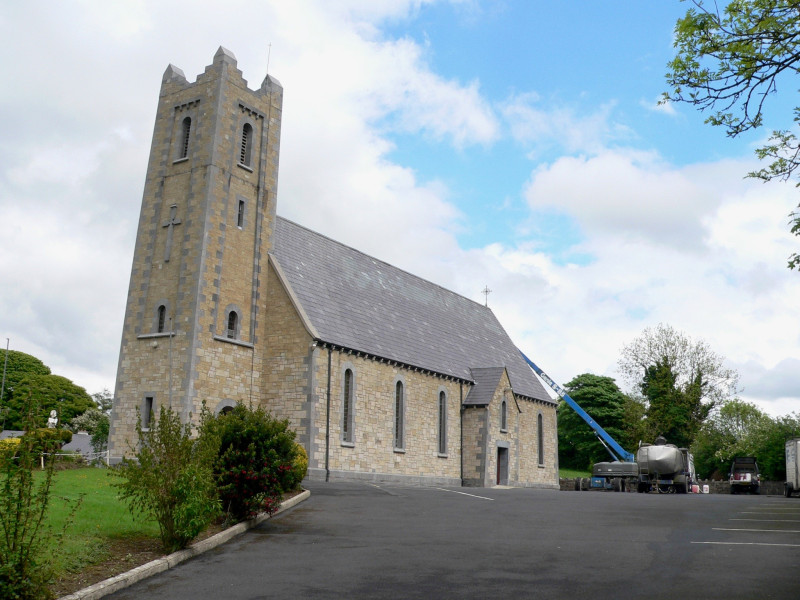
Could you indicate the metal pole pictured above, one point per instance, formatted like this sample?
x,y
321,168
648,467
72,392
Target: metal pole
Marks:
x,y
169,359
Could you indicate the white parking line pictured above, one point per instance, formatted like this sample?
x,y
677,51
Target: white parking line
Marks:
x,y
769,520
761,530
464,494
747,544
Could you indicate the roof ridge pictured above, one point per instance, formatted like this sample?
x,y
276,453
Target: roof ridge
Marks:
x,y
389,265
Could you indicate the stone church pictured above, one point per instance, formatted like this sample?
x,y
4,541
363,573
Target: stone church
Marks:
x,y
383,375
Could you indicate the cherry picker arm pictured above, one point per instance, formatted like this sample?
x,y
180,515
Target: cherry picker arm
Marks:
x,y
617,452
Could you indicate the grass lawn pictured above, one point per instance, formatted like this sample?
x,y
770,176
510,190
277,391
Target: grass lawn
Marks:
x,y
572,474
100,518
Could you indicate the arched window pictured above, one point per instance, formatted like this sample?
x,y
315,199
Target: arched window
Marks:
x,y
233,325
540,438
503,416
442,423
186,130
399,410
347,407
247,142
162,319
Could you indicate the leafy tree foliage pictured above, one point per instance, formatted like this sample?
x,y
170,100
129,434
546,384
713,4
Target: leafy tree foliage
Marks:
x,y
677,381
172,479
50,392
673,411
730,62
29,383
103,400
740,428
94,422
578,447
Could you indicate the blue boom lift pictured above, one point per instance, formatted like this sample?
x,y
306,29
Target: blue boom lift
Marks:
x,y
608,475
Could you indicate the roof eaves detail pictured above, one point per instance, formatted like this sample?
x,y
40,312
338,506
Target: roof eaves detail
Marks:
x,y
309,326
381,359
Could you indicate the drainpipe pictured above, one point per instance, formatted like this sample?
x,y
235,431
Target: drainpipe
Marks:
x,y
461,426
328,420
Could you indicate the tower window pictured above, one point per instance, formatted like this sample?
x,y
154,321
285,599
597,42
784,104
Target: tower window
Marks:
x,y
162,318
240,215
186,129
247,142
233,325
147,412
503,416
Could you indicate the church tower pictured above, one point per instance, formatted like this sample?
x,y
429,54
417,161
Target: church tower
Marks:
x,y
194,326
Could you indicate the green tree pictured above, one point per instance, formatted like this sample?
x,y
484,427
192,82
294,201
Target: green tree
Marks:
x,y
677,380
29,380
730,62
739,428
49,392
103,400
94,422
578,446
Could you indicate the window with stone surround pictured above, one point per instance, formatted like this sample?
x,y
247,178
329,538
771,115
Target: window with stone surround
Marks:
x,y
347,408
540,439
232,331
503,416
399,416
442,423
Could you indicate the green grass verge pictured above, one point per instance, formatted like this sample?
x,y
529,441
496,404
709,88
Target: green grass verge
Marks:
x,y
572,474
100,517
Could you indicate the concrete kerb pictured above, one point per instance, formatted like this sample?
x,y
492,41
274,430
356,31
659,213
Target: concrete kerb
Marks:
x,y
123,580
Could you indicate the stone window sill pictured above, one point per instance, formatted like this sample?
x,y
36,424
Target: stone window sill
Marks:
x,y
399,450
219,338
348,444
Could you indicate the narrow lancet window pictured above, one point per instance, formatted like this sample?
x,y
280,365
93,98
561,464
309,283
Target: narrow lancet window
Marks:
x,y
187,128
247,143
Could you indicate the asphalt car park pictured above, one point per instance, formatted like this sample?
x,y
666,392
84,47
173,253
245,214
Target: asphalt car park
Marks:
x,y
360,540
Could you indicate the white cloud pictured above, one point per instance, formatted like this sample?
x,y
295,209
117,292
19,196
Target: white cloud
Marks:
x,y
562,127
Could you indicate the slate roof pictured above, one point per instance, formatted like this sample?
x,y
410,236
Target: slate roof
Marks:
x,y
358,302
486,381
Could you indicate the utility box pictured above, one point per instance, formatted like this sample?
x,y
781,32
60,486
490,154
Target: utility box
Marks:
x,y
792,484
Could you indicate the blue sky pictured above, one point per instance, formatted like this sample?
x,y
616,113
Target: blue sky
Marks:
x,y
514,144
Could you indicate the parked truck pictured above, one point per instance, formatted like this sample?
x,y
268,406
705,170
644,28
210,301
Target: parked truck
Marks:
x,y
792,484
664,468
658,467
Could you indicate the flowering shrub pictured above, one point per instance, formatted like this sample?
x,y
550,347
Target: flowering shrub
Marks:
x,y
255,463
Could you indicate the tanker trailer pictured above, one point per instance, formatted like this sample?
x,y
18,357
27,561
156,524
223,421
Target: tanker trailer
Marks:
x,y
664,468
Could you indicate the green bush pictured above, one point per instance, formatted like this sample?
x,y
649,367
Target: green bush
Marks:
x,y
24,501
172,479
299,466
256,461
